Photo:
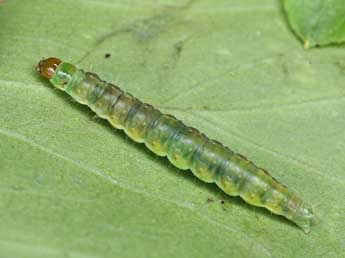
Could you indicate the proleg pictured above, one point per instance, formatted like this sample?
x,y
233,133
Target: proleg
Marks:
x,y
185,147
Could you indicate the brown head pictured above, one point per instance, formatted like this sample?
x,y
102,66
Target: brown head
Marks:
x,y
47,67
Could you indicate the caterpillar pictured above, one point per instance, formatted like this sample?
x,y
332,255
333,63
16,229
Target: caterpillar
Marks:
x,y
185,147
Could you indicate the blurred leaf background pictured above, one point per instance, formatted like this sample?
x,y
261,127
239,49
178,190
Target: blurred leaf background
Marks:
x,y
72,186
317,22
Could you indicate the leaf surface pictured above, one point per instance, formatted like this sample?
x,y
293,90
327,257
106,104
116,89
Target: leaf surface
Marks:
x,y
72,186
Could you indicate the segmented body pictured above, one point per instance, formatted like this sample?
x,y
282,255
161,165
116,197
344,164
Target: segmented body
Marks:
x,y
185,147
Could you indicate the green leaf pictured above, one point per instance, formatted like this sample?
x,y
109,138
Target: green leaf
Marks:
x,y
317,22
72,186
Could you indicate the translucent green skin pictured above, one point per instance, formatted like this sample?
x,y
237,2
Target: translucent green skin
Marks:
x,y
185,147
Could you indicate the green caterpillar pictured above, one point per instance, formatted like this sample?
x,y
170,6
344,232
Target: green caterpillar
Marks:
x,y
185,147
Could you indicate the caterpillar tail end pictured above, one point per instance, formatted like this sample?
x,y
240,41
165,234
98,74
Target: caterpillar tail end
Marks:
x,y
305,218
47,67
306,226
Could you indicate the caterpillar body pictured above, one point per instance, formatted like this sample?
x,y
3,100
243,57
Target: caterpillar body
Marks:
x,y
185,147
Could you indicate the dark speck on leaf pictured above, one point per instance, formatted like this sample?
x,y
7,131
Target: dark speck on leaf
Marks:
x,y
209,199
107,55
223,205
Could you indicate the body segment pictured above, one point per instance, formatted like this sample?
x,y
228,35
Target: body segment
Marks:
x,y
185,147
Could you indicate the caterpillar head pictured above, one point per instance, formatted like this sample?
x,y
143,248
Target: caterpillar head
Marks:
x,y
47,67
58,72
